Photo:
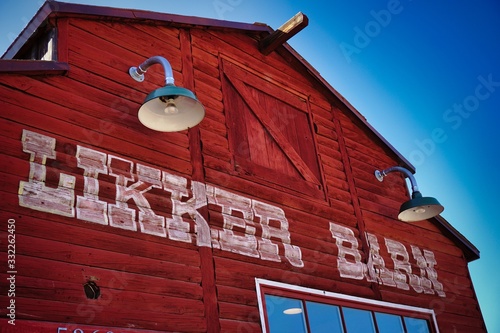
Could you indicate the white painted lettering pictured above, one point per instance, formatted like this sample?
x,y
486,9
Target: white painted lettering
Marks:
x,y
178,229
400,258
375,269
377,272
34,194
426,263
348,268
267,249
89,207
251,228
119,214
244,242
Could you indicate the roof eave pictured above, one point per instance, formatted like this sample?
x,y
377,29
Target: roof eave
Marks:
x,y
471,252
33,67
57,8
53,7
403,161
29,30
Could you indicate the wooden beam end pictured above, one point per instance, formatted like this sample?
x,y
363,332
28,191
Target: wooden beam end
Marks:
x,y
278,37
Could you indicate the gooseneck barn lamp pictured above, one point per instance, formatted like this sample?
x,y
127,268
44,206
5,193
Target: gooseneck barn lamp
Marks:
x,y
418,208
170,108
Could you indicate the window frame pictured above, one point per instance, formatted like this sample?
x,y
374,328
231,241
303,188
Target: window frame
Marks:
x,y
268,287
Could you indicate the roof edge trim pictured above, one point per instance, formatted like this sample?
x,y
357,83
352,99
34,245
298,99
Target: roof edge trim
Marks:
x,y
29,30
9,66
33,67
470,251
403,161
56,7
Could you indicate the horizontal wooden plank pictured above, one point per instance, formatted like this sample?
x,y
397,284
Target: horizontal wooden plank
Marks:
x,y
231,326
452,326
330,157
218,164
238,312
334,176
216,127
314,239
205,62
119,33
328,146
155,32
213,107
114,299
220,150
105,238
336,194
323,114
237,274
213,83
397,192
322,128
439,304
282,199
72,143
95,106
203,88
33,326
367,205
366,147
33,67
55,271
383,200
462,323
97,313
401,230
336,182
92,257
103,124
236,295
103,57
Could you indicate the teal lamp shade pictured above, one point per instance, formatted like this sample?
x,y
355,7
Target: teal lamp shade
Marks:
x,y
419,208
171,109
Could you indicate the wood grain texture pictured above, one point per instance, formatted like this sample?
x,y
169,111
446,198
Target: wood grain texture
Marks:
x,y
273,141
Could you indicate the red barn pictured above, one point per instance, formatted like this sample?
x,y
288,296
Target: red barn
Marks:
x,y
265,217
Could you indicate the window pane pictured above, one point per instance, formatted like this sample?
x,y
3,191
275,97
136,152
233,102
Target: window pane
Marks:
x,y
389,323
324,318
414,325
358,321
285,315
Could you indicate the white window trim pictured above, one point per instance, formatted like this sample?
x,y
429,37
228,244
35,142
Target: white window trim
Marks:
x,y
259,283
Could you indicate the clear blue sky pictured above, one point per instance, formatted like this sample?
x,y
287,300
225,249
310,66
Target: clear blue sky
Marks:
x,y
426,76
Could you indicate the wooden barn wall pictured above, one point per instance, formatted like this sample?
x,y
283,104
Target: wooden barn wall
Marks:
x,y
379,204
161,284
340,144
146,281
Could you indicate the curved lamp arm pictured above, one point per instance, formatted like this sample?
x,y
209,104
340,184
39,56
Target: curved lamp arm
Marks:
x,y
137,73
169,108
381,174
418,208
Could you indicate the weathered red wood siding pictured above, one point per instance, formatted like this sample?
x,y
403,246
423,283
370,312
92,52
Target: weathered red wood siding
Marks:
x,y
155,283
149,283
459,310
378,204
